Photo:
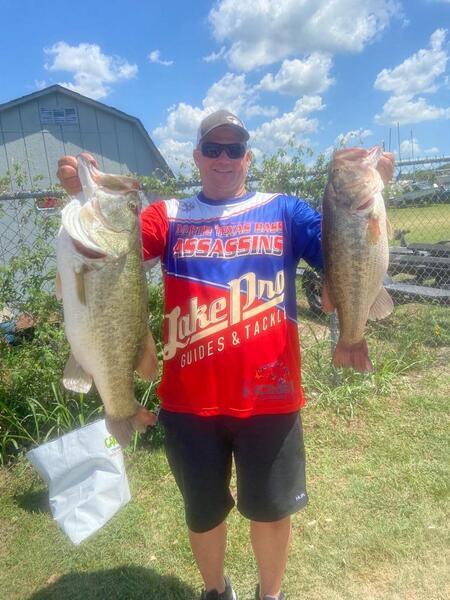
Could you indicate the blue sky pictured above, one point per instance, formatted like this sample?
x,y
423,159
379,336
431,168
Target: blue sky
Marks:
x,y
318,70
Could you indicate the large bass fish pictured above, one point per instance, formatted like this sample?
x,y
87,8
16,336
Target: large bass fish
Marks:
x,y
355,243
102,284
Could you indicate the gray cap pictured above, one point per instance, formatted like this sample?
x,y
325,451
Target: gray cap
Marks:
x,y
219,119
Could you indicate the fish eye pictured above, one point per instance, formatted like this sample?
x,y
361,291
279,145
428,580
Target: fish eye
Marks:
x,y
132,205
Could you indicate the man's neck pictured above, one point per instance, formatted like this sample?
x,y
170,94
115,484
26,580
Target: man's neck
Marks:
x,y
219,196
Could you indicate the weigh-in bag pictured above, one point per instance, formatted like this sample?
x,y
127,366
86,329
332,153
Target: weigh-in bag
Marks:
x,y
85,472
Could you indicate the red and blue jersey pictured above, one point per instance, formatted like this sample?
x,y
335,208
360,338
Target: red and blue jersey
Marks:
x,y
230,332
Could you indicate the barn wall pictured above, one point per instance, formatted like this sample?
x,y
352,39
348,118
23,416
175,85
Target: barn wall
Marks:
x,y
117,143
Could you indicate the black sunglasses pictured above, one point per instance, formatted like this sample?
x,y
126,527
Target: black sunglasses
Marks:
x,y
214,149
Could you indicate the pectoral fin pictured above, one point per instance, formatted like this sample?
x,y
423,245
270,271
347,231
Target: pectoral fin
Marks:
x,y
147,366
382,307
75,378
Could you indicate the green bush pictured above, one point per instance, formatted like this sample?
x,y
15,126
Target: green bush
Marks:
x,y
34,406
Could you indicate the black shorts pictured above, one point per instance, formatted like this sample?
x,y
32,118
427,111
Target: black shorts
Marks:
x,y
270,465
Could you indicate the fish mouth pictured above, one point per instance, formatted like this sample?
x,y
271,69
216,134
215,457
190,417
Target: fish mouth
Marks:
x,y
87,252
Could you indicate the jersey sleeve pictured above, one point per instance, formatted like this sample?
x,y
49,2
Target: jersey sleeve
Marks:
x,y
306,234
155,226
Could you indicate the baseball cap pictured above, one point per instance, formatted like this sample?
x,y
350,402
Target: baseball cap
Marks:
x,y
218,119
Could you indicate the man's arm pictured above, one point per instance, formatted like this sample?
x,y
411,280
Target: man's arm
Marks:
x,y
155,228
306,234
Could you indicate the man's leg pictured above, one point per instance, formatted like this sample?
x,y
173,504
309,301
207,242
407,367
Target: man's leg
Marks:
x,y
270,466
209,552
270,542
200,459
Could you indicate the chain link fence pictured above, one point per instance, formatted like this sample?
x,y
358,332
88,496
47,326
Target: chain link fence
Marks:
x,y
418,210
418,207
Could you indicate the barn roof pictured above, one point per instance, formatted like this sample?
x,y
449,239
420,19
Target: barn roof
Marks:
x,y
94,103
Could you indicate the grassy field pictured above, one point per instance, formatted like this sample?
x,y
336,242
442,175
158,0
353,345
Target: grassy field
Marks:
x,y
427,224
375,527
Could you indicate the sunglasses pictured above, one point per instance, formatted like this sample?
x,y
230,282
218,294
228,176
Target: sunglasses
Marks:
x,y
214,150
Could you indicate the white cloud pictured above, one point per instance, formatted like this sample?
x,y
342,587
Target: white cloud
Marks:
x,y
418,74
155,57
40,84
177,154
176,136
357,135
255,110
297,77
294,125
92,70
409,149
215,56
233,93
434,151
403,109
229,92
263,32
182,123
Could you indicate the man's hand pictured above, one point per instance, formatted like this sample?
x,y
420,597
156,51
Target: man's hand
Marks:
x,y
385,166
68,172
123,430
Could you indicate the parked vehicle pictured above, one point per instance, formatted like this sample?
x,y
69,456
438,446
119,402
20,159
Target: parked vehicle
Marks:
x,y
421,272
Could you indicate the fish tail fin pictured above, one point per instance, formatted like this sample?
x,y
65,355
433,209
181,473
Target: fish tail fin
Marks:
x,y
355,356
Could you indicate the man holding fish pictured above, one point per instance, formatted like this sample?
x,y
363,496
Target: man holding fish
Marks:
x,y
230,387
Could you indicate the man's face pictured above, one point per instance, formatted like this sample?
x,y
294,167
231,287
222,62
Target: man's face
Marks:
x,y
222,177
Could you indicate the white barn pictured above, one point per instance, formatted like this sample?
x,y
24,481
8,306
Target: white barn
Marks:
x,y
37,129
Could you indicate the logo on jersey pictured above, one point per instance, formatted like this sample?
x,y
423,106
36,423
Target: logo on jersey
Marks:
x,y
248,297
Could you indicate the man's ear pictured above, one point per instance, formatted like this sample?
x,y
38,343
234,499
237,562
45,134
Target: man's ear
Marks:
x,y
195,155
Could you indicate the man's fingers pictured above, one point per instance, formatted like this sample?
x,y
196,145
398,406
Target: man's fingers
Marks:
x,y
69,161
68,172
123,429
90,158
385,166
143,419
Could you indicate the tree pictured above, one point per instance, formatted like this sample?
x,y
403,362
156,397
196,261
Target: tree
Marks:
x,y
287,171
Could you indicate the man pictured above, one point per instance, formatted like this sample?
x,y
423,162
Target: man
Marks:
x,y
231,378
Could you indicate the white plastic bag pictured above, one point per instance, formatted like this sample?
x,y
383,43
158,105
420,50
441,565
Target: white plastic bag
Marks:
x,y
86,476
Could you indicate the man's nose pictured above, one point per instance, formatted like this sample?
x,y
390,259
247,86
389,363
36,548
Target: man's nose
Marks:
x,y
223,154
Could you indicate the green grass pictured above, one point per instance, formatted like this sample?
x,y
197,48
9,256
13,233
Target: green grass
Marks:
x,y
375,527
427,224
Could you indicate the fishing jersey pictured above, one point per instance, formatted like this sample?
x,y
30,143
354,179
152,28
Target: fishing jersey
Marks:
x,y
230,331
